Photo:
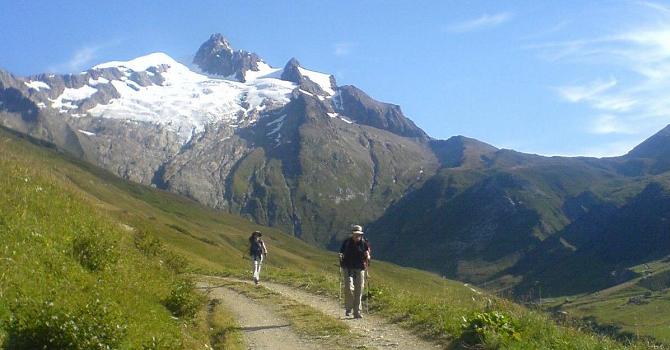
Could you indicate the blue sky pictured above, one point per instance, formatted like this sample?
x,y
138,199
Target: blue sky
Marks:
x,y
553,78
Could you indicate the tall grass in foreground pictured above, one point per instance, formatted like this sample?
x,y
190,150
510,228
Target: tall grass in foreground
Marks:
x,y
71,279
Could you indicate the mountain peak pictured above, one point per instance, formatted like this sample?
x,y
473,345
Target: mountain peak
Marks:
x,y
655,149
291,71
310,81
216,56
141,63
461,151
218,40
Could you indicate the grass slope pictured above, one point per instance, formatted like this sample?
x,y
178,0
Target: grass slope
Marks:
x,y
637,308
71,278
58,210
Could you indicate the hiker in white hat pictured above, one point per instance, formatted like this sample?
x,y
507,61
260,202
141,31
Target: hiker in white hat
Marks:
x,y
354,259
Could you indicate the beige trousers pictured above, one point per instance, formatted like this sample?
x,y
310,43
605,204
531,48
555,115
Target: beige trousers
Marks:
x,y
258,263
353,282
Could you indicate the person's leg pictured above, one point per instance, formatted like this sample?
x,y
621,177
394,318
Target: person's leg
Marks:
x,y
347,290
255,267
260,264
359,284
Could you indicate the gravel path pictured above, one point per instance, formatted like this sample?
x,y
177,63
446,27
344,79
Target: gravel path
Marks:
x,y
261,328
378,333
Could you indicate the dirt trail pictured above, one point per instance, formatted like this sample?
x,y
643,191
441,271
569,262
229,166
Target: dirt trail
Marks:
x,y
261,328
378,332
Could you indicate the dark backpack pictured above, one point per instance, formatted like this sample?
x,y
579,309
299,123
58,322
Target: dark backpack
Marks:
x,y
256,248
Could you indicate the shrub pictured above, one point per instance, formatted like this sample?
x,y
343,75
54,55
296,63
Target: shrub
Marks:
x,y
148,244
94,250
183,301
43,325
175,262
483,327
162,343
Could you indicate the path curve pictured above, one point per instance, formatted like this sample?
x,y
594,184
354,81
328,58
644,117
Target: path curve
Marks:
x,y
260,327
377,331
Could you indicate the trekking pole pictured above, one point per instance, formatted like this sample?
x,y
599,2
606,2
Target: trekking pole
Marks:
x,y
339,290
367,288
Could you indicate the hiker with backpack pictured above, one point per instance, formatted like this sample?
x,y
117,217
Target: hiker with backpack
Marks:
x,y
258,253
354,260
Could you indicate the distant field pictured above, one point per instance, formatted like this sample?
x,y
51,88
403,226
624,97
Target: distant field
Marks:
x,y
637,308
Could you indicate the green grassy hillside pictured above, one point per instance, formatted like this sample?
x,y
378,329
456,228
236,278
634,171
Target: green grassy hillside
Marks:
x,y
70,278
81,264
637,308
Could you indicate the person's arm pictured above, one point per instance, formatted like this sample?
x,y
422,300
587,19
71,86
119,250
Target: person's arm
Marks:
x,y
265,249
342,249
367,251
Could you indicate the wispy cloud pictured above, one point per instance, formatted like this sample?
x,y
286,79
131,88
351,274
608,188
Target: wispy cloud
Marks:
x,y
82,58
483,21
577,93
611,124
79,60
635,98
342,49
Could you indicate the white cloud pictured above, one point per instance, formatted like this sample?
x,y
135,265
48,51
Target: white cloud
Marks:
x,y
484,21
635,98
79,60
578,93
342,49
83,58
611,124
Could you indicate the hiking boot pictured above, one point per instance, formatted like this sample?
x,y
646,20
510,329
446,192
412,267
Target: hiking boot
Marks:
x,y
347,313
358,316
256,281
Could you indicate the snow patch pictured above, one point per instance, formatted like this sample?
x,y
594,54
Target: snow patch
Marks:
x,y
279,121
64,101
337,101
188,101
141,63
37,85
87,133
100,80
342,118
41,105
321,79
78,94
306,92
264,71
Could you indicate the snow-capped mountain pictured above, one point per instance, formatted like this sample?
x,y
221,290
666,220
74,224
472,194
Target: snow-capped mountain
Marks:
x,y
287,147
195,128
185,101
157,89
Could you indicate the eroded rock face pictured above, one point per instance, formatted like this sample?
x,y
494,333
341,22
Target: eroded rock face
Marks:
x,y
216,56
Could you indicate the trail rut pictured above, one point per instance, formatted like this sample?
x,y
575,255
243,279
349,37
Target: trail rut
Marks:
x,y
261,327
378,332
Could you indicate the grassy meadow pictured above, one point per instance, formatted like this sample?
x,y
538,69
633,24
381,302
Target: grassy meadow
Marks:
x,y
88,261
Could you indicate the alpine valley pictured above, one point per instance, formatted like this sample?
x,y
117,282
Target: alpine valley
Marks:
x,y
287,147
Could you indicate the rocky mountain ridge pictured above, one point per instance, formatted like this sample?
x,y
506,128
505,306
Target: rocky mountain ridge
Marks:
x,y
285,147
288,147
